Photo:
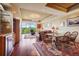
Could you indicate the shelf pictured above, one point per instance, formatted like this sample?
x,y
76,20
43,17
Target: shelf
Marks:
x,y
5,22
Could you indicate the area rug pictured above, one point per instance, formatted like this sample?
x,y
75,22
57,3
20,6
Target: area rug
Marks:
x,y
43,50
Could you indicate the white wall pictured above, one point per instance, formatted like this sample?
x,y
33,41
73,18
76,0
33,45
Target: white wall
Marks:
x,y
61,23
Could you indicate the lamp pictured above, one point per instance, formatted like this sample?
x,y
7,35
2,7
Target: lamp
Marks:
x,y
54,30
53,27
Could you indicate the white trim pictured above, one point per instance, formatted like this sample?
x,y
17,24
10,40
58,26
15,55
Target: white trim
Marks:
x,y
37,51
1,7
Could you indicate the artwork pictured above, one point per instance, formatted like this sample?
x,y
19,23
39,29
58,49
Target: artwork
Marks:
x,y
39,26
73,21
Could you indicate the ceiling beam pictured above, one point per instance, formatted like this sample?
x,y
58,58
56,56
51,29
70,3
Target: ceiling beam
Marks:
x,y
69,8
61,7
55,6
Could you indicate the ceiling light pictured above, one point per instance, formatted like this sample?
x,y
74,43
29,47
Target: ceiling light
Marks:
x,y
34,16
25,17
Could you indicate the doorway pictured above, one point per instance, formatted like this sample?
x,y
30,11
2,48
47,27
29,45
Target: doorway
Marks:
x,y
28,29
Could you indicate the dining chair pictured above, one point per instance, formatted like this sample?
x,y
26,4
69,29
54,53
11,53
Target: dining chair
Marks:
x,y
67,34
73,36
62,40
65,38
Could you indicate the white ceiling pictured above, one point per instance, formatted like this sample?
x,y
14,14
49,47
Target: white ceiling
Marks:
x,y
38,8
41,10
31,15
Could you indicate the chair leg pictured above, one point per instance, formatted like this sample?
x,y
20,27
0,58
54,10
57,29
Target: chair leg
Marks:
x,y
76,46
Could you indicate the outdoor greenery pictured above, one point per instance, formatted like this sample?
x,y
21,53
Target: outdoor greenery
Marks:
x,y
27,30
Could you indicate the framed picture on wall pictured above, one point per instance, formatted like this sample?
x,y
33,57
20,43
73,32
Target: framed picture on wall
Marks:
x,y
73,21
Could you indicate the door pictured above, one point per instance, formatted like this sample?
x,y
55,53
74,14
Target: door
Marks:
x,y
2,45
16,30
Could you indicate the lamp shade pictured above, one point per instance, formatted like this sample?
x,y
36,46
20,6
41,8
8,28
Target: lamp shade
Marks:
x,y
53,27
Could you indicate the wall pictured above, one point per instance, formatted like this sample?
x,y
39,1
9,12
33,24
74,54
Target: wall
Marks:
x,y
16,14
48,23
61,22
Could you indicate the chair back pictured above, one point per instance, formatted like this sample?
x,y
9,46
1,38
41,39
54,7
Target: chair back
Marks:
x,y
73,36
67,34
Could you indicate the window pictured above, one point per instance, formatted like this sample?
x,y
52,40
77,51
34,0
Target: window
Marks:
x,y
27,26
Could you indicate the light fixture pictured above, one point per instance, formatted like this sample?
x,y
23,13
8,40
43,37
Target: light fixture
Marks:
x,y
25,17
34,16
7,26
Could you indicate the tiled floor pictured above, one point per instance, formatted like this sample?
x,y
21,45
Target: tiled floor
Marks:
x,y
25,48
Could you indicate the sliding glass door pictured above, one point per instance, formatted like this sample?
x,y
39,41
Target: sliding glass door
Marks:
x,y
28,27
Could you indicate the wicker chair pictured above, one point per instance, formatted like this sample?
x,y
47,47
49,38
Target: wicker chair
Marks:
x,y
44,37
73,36
62,40
67,34
65,38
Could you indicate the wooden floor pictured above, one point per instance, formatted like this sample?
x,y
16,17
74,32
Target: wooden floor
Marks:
x,y
28,47
25,48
